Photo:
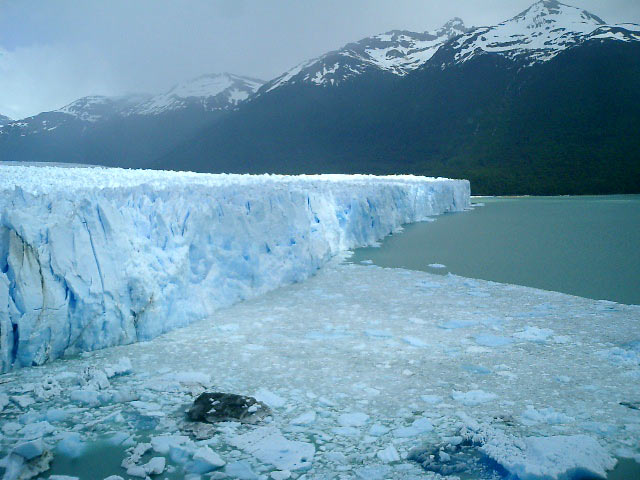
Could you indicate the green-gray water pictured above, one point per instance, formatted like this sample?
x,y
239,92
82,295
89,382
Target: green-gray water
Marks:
x,y
585,246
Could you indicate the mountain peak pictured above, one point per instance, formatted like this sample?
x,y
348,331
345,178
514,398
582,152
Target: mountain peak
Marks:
x,y
546,12
397,51
453,27
93,108
539,33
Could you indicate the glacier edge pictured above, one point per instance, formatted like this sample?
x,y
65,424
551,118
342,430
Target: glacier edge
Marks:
x,y
92,258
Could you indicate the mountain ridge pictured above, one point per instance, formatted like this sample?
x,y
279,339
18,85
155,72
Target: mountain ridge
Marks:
x,y
534,104
513,119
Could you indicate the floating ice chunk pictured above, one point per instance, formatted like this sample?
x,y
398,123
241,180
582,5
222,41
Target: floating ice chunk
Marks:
x,y
367,262
415,342
71,445
205,460
431,399
373,472
47,389
122,367
30,450
163,443
36,430
306,418
378,333
562,339
155,466
56,415
473,397
559,457
112,477
622,356
389,454
534,334
280,475
455,324
268,445
489,340
336,457
137,471
180,453
549,416
418,427
347,431
69,477
23,401
10,428
378,430
135,454
437,265
121,438
87,397
563,457
190,377
4,401
476,369
240,470
271,399
94,379
356,419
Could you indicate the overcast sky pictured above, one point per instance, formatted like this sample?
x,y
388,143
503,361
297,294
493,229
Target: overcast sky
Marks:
x,y
53,52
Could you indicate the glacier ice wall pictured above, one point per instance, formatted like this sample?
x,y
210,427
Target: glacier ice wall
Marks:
x,y
93,257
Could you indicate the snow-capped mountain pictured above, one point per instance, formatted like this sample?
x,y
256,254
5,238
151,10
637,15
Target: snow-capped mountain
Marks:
x,y
206,93
210,92
546,102
98,107
129,130
4,119
539,33
83,113
398,52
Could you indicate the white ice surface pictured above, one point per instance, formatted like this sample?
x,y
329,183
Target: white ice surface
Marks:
x,y
545,395
95,257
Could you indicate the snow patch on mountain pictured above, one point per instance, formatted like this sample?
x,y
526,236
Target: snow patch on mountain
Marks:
x,y
206,93
210,92
95,257
97,107
398,52
538,34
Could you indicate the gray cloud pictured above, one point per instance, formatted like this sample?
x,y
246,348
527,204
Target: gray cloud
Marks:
x,y
54,52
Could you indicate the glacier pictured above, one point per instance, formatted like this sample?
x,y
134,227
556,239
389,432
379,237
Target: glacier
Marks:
x,y
94,257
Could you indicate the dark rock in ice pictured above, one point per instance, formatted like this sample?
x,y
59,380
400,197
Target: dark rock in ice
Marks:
x,y
631,405
227,407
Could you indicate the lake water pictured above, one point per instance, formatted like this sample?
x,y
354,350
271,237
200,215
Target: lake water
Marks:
x,y
585,246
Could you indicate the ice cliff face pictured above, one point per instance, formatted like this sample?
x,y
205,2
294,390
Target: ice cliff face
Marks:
x,y
91,258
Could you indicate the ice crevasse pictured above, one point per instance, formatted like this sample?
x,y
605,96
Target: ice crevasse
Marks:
x,y
95,257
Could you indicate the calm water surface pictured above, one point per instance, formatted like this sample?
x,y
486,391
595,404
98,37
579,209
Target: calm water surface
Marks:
x,y
585,246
